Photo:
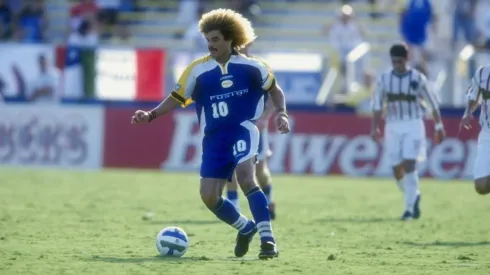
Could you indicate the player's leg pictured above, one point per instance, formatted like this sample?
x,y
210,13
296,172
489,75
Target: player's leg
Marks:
x,y
232,192
264,179
247,146
216,168
393,142
262,172
414,150
257,200
481,171
211,190
411,190
399,173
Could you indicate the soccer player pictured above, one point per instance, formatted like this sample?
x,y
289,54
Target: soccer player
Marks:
x,y
228,90
479,92
262,171
405,92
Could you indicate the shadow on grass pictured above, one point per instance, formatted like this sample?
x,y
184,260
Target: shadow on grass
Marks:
x,y
157,258
184,222
147,259
449,244
357,220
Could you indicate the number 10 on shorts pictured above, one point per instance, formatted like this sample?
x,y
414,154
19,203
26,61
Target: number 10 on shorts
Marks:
x,y
220,109
239,147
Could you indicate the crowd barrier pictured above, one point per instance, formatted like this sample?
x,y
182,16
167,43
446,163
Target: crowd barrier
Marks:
x,y
101,136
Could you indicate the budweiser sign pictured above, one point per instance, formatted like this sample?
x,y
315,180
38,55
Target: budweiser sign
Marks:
x,y
320,143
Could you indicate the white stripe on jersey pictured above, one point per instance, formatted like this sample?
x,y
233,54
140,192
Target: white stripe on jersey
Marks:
x,y
479,91
405,96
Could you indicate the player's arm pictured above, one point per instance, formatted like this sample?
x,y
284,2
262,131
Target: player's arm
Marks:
x,y
269,109
180,96
270,86
278,99
377,102
429,97
473,94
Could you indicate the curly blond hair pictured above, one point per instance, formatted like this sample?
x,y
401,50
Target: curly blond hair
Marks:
x,y
232,25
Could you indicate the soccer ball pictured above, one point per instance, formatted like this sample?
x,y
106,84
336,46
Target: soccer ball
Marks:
x,y
172,241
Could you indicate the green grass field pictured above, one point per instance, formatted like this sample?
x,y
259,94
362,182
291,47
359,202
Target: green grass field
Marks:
x,y
66,222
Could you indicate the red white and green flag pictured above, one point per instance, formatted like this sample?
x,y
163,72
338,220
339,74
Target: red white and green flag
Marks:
x,y
112,74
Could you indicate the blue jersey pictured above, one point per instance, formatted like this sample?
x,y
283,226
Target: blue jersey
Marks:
x,y
229,99
225,95
415,21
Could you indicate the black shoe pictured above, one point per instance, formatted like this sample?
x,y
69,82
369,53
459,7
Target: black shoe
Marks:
x,y
272,210
407,215
243,241
416,208
268,250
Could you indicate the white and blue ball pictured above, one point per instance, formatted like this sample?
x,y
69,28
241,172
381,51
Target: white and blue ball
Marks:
x,y
172,242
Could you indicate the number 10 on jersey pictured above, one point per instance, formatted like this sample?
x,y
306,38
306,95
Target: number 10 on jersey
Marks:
x,y
220,109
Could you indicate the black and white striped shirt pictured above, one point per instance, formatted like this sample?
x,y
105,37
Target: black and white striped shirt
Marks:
x,y
479,91
405,96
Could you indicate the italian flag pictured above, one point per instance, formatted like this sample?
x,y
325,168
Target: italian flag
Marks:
x,y
112,74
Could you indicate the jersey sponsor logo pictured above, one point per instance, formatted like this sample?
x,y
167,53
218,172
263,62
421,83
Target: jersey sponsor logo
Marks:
x,y
228,95
226,83
226,77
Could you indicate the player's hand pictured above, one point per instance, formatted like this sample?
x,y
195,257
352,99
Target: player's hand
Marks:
x,y
282,123
439,136
376,134
466,121
140,117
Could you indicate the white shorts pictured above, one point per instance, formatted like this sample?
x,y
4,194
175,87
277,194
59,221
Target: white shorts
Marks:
x,y
482,160
405,140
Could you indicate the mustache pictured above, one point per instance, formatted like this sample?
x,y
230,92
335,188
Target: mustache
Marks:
x,y
212,49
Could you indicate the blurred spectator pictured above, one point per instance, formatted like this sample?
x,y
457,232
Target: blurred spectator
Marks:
x,y
344,35
83,10
121,35
464,20
188,12
108,11
6,17
31,22
85,36
248,8
45,86
482,22
414,22
193,36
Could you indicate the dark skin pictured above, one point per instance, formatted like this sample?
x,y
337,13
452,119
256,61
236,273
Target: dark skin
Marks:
x,y
408,165
212,188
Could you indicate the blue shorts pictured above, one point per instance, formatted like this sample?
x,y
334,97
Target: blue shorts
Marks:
x,y
264,145
222,151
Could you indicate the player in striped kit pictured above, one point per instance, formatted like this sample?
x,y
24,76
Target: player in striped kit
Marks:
x,y
405,93
479,93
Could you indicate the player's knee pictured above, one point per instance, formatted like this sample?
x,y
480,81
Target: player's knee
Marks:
x,y
409,165
399,171
210,195
481,186
263,176
210,200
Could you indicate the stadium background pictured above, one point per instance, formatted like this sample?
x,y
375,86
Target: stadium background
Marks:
x,y
131,52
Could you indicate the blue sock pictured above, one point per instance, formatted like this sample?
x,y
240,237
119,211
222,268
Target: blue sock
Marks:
x,y
260,211
267,192
232,195
226,212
